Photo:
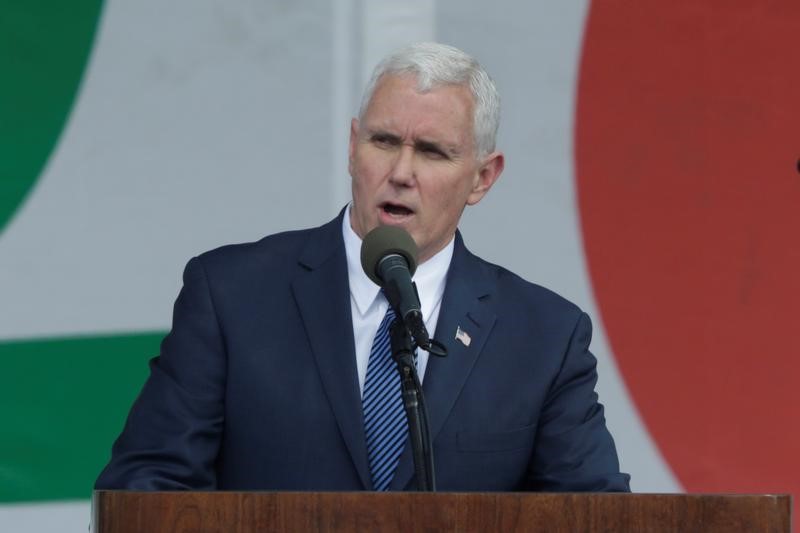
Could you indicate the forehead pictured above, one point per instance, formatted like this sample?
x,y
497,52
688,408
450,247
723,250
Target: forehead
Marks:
x,y
398,106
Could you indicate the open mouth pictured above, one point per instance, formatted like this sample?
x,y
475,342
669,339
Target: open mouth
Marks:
x,y
396,210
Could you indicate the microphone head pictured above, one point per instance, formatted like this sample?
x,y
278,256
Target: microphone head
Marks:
x,y
383,241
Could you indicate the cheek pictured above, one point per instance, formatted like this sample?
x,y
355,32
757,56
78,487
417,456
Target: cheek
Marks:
x,y
360,174
365,176
360,189
367,179
450,192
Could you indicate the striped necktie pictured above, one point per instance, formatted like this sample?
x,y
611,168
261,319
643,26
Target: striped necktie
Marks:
x,y
384,417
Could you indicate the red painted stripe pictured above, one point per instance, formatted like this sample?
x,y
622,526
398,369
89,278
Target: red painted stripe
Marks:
x,y
688,135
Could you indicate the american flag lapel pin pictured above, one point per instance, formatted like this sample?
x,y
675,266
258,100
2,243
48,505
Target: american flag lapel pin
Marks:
x,y
463,336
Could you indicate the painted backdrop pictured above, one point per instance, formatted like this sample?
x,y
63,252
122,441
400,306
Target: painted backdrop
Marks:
x,y
651,163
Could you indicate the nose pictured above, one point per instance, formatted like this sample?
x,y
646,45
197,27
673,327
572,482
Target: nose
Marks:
x,y
403,173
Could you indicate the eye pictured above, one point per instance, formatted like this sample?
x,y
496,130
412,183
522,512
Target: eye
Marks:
x,y
431,151
383,140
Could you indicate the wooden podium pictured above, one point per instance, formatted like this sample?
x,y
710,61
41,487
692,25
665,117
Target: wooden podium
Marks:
x,y
240,512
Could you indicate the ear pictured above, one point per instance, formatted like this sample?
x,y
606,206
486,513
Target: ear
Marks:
x,y
488,173
351,151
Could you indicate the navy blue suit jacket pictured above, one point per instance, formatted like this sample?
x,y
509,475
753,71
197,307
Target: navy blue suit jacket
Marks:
x,y
256,385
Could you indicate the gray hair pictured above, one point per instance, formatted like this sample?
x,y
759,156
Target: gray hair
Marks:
x,y
434,65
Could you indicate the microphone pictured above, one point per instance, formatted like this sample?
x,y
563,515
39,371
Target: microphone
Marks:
x,y
389,258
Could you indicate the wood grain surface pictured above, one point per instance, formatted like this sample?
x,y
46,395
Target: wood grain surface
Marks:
x,y
240,512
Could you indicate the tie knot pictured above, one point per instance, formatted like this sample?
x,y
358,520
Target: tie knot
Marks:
x,y
388,318
389,310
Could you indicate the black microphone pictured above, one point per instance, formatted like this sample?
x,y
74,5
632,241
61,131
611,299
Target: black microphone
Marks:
x,y
389,258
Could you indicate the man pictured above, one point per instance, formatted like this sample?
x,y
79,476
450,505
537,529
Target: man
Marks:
x,y
265,380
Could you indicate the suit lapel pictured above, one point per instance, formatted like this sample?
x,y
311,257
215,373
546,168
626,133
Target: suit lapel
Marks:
x,y
323,296
464,305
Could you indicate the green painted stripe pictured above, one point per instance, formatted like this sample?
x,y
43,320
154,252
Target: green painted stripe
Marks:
x,y
44,45
62,404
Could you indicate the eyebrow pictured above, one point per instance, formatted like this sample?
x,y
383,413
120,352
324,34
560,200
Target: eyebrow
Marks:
x,y
373,134
419,144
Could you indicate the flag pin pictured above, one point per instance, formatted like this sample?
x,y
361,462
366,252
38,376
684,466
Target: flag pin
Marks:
x,y
463,336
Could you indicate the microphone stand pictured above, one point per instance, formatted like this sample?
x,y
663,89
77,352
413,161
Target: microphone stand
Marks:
x,y
414,402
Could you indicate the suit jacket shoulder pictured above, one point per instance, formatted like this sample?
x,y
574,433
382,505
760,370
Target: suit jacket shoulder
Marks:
x,y
515,396
277,254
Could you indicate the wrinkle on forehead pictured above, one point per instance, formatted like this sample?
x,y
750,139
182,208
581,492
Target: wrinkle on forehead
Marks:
x,y
398,108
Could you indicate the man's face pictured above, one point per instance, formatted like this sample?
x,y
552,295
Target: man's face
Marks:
x,y
413,162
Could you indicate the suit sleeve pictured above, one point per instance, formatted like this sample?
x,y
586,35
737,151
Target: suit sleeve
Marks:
x,y
574,450
173,432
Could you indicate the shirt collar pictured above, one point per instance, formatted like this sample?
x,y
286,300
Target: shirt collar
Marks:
x,y
430,276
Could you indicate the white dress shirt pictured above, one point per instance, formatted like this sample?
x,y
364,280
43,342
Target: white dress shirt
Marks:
x,y
368,305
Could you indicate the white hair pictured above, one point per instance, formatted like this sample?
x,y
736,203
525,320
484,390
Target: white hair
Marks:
x,y
434,65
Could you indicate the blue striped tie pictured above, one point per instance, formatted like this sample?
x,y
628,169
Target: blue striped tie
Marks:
x,y
384,418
